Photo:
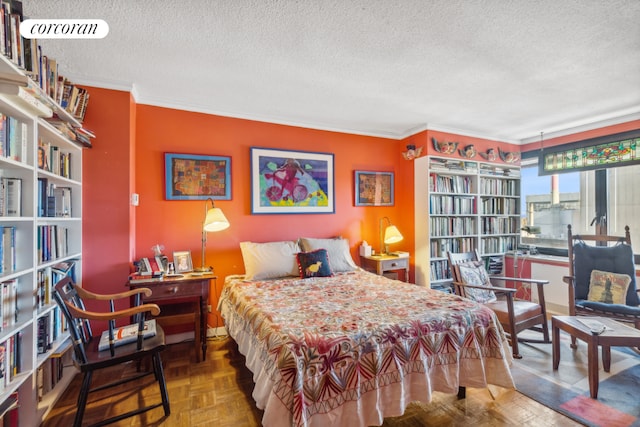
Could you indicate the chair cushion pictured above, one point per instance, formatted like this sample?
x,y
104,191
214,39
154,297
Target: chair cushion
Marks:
x,y
610,288
609,308
522,310
615,259
474,273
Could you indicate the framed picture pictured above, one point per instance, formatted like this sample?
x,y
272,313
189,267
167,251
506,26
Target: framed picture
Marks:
x,y
195,177
374,188
182,261
286,182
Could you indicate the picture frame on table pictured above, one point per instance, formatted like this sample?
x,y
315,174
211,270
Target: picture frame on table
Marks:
x,y
197,177
374,188
182,262
291,182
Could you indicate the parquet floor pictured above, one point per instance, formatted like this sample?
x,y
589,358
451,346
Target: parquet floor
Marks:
x,y
217,392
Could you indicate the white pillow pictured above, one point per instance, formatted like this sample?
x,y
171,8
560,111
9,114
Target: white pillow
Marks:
x,y
337,252
269,260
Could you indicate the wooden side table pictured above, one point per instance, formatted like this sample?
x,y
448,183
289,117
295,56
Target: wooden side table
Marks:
x,y
182,299
617,334
381,264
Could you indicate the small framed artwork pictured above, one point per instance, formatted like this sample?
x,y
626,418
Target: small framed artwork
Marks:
x,y
291,182
196,177
374,188
182,261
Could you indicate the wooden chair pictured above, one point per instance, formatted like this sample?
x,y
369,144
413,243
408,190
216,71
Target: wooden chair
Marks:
x,y
88,358
514,315
606,253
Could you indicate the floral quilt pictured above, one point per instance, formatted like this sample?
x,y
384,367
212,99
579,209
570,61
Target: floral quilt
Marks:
x,y
356,347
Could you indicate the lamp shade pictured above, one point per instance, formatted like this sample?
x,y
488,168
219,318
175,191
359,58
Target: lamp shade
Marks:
x,y
215,220
392,235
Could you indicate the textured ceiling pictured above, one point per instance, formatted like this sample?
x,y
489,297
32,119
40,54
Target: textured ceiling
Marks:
x,y
501,69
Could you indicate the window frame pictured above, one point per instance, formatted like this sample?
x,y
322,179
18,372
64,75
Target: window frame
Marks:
x,y
532,159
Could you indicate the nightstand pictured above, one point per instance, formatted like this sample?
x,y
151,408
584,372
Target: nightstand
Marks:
x,y
381,264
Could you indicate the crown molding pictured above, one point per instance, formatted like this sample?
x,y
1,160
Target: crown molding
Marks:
x,y
577,126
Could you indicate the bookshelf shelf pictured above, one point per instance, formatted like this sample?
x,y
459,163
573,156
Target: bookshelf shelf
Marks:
x,y
462,205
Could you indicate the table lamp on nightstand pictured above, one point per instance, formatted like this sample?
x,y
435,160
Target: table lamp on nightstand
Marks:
x,y
214,220
388,235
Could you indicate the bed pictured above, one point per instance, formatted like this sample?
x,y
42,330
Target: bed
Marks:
x,y
351,348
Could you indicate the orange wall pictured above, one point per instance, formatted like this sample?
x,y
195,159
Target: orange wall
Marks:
x,y
176,224
128,156
106,185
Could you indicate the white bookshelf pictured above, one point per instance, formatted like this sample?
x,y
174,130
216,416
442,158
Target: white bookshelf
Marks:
x,y
29,264
462,205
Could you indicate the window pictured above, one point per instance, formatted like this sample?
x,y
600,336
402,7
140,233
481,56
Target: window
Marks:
x,y
550,203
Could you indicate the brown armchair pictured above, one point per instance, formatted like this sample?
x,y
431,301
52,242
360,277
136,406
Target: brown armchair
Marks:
x,y
471,280
613,260
88,358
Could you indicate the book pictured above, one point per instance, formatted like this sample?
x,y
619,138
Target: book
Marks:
x,y
3,365
596,327
399,254
143,278
12,196
62,197
9,404
127,334
14,78
29,101
144,267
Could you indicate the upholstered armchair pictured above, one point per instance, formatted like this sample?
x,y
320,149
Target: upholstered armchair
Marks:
x,y
602,277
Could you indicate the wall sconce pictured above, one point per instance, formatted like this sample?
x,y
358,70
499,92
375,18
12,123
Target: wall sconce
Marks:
x,y
388,235
214,220
412,152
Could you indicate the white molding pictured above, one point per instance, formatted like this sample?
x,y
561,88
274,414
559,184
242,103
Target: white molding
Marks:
x,y
583,126
603,120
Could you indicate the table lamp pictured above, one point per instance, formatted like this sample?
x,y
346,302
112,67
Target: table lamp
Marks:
x,y
214,220
388,235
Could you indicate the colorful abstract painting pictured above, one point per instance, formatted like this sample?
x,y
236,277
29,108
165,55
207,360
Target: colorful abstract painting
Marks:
x,y
285,181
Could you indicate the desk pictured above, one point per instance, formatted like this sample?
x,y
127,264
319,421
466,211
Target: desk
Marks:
x,y
381,264
620,335
182,299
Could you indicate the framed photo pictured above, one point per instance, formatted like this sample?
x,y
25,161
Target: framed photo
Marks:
x,y
374,188
182,261
195,177
144,267
291,182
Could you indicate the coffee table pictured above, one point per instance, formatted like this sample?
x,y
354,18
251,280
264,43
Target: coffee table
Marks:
x,y
617,335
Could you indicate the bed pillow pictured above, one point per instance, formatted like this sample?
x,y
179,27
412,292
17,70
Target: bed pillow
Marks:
x,y
337,250
314,264
474,273
269,260
609,288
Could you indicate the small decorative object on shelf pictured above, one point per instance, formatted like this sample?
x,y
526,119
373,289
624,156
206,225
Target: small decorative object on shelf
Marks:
x,y
412,152
444,147
468,152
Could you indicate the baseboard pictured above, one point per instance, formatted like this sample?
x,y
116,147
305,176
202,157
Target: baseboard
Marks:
x,y
189,336
216,332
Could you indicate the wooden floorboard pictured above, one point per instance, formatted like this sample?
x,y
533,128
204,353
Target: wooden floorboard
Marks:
x,y
217,392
